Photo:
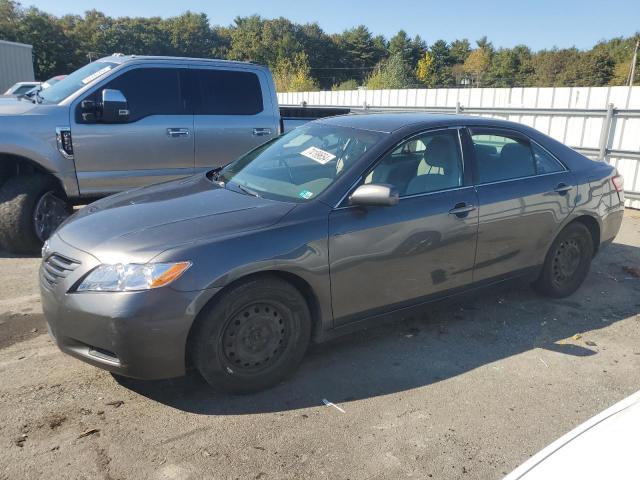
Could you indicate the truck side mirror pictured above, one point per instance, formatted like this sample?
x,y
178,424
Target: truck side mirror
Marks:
x,y
114,106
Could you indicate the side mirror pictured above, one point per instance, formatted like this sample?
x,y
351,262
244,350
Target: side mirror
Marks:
x,y
375,195
114,106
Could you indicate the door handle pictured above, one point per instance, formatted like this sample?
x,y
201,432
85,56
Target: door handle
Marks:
x,y
178,132
562,188
461,209
261,132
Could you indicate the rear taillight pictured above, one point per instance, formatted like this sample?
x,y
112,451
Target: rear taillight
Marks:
x,y
618,183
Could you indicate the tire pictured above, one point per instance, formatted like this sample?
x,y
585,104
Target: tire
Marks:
x,y
567,262
253,336
20,197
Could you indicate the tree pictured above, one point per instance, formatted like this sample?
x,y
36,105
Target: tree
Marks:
x,y
460,50
593,68
425,71
442,63
346,85
9,18
476,64
253,39
390,73
359,51
551,67
50,45
188,34
400,44
510,67
323,54
294,75
485,44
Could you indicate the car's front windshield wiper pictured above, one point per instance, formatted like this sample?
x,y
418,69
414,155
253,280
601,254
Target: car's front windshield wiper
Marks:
x,y
248,191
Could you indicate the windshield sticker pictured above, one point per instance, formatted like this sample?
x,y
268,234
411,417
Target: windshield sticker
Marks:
x,y
318,155
306,194
95,75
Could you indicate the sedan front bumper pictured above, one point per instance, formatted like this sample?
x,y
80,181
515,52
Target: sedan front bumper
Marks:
x,y
135,334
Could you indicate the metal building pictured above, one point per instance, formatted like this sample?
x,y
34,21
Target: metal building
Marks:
x,y
16,63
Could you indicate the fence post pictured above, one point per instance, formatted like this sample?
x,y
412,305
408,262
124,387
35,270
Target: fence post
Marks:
x,y
605,133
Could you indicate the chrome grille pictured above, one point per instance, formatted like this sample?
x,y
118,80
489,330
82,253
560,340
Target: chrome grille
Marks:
x,y
56,267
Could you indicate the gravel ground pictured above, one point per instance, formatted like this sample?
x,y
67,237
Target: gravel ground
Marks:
x,y
469,391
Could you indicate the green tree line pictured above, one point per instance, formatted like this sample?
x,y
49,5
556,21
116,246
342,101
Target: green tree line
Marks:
x,y
304,57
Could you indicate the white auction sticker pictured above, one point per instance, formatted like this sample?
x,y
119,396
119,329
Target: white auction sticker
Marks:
x,y
318,155
97,74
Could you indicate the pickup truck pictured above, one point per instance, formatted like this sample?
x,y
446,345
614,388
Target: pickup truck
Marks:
x,y
122,122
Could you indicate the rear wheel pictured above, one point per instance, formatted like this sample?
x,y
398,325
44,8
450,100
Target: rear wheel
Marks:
x,y
567,262
253,336
31,208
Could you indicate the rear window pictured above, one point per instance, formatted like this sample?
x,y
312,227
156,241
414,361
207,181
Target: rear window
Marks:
x,y
228,92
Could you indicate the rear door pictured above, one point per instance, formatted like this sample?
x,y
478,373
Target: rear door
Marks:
x,y
524,195
155,144
233,115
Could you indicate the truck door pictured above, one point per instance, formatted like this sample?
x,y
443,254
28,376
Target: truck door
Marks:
x,y
153,145
233,115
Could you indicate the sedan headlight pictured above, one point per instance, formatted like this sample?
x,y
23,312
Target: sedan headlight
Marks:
x,y
129,277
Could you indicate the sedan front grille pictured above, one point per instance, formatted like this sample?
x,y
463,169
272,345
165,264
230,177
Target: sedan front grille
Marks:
x,y
56,267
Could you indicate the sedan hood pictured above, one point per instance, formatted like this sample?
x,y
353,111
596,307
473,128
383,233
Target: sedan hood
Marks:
x,y
136,226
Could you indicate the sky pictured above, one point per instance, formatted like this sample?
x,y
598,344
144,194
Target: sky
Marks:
x,y
536,23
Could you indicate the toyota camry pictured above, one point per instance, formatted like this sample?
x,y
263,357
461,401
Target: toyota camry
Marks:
x,y
323,230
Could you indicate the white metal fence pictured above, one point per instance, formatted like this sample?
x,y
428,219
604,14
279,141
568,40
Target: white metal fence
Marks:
x,y
600,122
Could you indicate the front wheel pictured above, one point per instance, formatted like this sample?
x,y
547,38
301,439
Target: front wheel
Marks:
x,y
31,208
253,336
567,262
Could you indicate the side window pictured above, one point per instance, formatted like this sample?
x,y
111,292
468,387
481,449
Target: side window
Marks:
x,y
229,92
150,91
502,157
427,163
545,162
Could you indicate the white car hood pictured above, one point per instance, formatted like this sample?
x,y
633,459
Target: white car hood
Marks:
x,y
606,446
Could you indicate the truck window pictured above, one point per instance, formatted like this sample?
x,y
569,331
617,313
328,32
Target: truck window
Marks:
x,y
228,92
150,91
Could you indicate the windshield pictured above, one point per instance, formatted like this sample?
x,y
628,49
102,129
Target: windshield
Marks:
x,y
301,164
75,81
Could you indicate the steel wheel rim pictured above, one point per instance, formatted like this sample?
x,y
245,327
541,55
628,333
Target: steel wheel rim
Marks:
x,y
566,261
255,337
49,213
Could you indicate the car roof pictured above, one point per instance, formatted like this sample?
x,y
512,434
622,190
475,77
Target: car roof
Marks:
x,y
390,122
120,58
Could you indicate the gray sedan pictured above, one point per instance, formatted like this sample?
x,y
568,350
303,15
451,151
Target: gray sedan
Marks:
x,y
336,224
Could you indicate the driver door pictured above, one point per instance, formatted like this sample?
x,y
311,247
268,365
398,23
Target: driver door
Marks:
x,y
156,142
387,257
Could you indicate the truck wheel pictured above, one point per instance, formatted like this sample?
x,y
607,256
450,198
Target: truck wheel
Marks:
x,y
253,336
567,262
31,208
